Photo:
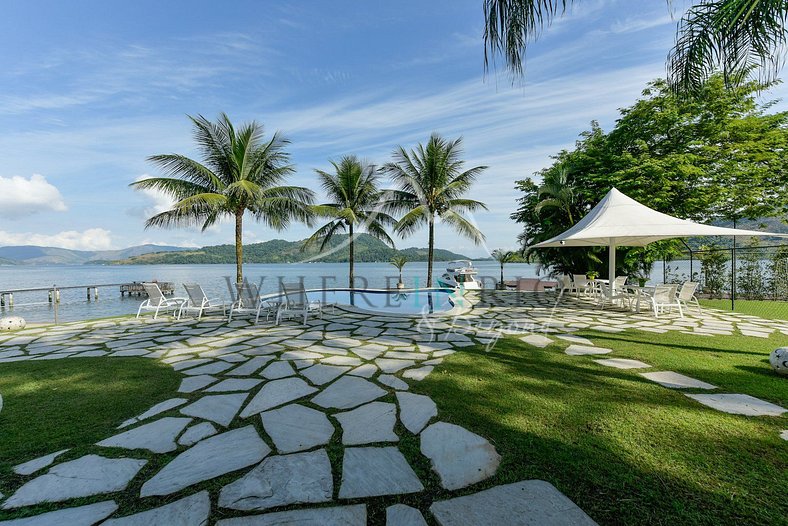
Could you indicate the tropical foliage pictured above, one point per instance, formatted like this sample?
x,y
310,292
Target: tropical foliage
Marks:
x,y
740,38
717,157
399,263
240,172
431,184
355,204
503,257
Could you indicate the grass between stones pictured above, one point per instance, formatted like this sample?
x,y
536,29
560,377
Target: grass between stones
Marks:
x,y
627,450
770,310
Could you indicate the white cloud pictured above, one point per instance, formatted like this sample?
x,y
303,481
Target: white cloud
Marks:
x,y
23,197
159,201
90,239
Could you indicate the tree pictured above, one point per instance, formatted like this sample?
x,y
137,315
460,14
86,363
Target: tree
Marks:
x,y
713,269
736,37
502,257
399,263
240,172
355,204
431,184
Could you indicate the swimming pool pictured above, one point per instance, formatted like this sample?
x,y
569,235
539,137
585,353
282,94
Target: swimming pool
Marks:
x,y
413,301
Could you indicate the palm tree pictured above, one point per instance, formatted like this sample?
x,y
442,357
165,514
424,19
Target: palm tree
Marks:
x,y
502,257
431,184
735,36
240,172
399,264
556,192
355,204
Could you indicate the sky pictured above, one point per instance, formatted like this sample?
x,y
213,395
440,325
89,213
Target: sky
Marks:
x,y
90,89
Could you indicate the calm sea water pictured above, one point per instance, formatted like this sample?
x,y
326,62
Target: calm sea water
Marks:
x,y
215,279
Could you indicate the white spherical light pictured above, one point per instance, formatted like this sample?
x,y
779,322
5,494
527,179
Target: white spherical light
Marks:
x,y
779,360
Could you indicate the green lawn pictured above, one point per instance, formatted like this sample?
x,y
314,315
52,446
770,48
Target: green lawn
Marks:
x,y
625,449
51,405
770,310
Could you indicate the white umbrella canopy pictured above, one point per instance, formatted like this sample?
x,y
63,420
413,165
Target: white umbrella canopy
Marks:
x,y
619,220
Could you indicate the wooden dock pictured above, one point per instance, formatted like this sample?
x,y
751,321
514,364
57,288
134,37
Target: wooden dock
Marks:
x,y
92,291
135,288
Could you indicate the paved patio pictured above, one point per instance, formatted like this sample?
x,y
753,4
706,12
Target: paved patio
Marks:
x,y
262,404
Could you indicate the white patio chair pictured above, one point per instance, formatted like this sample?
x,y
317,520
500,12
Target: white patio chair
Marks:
x,y
664,296
582,284
615,293
157,302
199,302
296,303
247,302
686,295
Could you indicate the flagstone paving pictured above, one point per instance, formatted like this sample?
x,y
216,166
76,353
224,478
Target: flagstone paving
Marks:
x,y
259,405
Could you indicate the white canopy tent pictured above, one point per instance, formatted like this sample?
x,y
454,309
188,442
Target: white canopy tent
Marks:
x,y
618,220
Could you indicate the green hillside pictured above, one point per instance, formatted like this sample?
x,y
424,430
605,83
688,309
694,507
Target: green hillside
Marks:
x,y
367,249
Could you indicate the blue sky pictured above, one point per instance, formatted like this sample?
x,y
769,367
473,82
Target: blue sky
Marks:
x,y
90,89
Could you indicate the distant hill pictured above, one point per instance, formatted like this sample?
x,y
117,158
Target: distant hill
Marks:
x,y
35,255
367,249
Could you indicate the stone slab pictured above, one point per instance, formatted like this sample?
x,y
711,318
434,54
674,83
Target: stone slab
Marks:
x,y
196,433
157,436
220,409
195,383
188,511
210,458
282,480
537,340
348,392
373,422
623,363
583,350
337,516
676,380
234,384
392,381
418,374
161,407
296,428
278,370
459,457
402,515
415,411
320,374
392,365
31,466
738,404
526,503
78,516
376,471
276,393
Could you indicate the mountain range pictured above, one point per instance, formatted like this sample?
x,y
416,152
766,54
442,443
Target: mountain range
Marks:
x,y
35,255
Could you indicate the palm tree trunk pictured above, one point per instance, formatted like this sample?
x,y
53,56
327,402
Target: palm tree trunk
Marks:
x,y
351,276
239,247
430,249
501,277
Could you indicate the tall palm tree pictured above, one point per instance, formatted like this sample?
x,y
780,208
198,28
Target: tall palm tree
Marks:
x,y
240,172
355,204
503,257
431,183
557,192
735,36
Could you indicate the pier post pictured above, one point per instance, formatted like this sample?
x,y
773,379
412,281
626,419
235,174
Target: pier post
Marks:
x,y
88,289
11,300
57,296
49,296
95,293
2,300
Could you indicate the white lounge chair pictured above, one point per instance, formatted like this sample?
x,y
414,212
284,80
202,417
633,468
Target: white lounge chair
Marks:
x,y
199,302
296,303
664,296
247,302
157,302
686,295
618,293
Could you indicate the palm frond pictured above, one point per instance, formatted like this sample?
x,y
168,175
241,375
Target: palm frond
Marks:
x,y
463,226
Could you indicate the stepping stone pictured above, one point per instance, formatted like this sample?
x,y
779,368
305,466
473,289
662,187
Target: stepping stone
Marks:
x,y
296,428
196,433
526,503
418,374
376,471
738,404
676,380
278,370
365,371
348,392
250,367
216,408
415,411
623,363
537,340
276,393
784,434
79,516
209,368
337,516
195,383
210,458
393,382
342,360
582,350
31,466
83,477
155,410
188,511
322,374
406,355
402,515
369,352
369,423
459,457
300,355
282,480
392,365
571,338
158,436
185,364
234,384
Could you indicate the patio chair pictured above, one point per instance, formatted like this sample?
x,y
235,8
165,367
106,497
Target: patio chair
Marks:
x,y
582,284
200,303
686,295
664,296
247,301
296,303
615,293
157,302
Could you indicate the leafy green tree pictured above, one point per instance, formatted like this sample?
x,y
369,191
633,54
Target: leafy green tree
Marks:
x,y
738,37
503,257
778,274
713,269
751,277
355,204
431,184
240,172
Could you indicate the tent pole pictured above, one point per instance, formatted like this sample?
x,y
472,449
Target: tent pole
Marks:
x,y
611,267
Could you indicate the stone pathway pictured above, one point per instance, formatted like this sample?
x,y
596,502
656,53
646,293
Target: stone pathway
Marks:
x,y
260,408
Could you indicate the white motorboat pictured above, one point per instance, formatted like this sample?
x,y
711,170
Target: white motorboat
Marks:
x,y
460,275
